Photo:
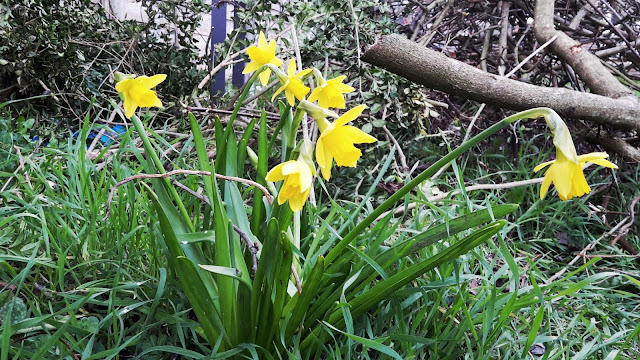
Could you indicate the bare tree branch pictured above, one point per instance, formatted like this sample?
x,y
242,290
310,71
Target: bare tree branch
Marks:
x,y
587,65
435,70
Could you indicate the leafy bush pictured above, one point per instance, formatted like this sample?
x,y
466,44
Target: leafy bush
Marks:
x,y
72,51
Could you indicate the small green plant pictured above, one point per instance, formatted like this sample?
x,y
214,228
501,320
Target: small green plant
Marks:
x,y
274,275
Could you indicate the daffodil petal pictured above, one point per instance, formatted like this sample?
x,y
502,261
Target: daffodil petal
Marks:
x,y
303,73
278,91
275,61
562,175
545,186
129,107
297,202
262,40
264,76
543,165
579,185
151,82
356,135
149,99
124,85
291,70
350,115
592,156
604,163
336,80
306,178
314,95
251,67
343,88
290,97
276,174
290,167
324,159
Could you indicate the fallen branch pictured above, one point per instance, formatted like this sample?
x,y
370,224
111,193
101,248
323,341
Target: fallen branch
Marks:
x,y
614,144
584,63
435,70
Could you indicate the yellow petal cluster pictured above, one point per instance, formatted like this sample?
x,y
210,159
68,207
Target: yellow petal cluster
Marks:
x,y
567,176
264,53
336,142
331,93
137,92
297,176
565,172
292,84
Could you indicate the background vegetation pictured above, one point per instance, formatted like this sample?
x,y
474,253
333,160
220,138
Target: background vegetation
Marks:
x,y
553,285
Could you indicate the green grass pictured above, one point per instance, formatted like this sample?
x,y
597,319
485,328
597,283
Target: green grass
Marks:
x,y
79,286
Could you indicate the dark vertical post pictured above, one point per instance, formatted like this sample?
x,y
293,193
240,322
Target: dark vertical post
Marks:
x,y
219,34
238,77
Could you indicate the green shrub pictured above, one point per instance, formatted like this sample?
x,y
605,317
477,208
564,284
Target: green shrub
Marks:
x,y
72,51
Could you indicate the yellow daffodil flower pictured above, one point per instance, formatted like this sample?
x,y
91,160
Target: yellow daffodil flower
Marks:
x,y
567,176
565,171
336,142
137,92
260,55
330,93
292,84
297,176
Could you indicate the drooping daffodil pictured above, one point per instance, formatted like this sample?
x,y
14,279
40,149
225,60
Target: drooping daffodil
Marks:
x,y
264,53
298,179
330,93
292,83
136,92
337,139
567,176
565,172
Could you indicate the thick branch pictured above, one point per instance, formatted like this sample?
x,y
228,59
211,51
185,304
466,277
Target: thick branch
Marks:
x,y
435,70
587,65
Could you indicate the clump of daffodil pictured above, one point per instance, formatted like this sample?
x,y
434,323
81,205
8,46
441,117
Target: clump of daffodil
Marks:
x,y
565,172
298,179
337,139
292,83
330,93
261,55
136,91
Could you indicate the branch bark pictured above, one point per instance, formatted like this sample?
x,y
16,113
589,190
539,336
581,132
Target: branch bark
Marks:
x,y
435,70
584,63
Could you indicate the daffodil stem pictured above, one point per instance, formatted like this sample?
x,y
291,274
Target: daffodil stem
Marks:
x,y
295,124
341,246
296,239
151,151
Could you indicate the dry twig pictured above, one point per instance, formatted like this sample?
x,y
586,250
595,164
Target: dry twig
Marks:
x,y
183,172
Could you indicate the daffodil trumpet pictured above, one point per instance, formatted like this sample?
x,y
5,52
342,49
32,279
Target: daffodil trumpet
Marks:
x,y
337,139
565,173
136,92
262,54
293,83
330,93
297,176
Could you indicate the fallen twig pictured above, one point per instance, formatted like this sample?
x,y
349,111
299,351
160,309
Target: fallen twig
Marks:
x,y
183,172
402,208
253,247
583,253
